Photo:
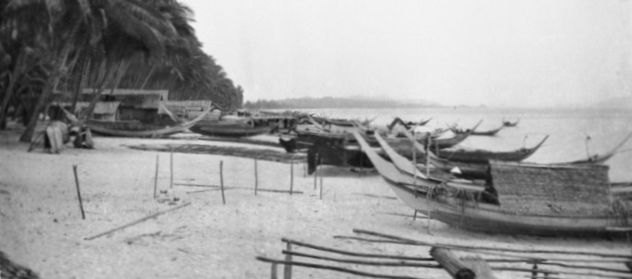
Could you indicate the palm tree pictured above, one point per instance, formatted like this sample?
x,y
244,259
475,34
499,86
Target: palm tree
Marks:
x,y
116,29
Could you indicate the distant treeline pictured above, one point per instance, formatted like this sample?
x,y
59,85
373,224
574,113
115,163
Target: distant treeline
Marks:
x,y
333,102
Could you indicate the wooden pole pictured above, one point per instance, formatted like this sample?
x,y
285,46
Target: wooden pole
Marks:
x,y
415,216
273,272
451,263
137,221
291,177
156,177
221,180
256,178
74,169
428,155
489,248
350,253
321,181
363,262
321,186
316,171
534,273
287,269
335,268
478,266
171,169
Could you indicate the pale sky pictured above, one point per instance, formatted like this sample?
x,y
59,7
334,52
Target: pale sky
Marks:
x,y
493,52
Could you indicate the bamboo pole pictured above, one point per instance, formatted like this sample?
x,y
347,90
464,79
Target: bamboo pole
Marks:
x,y
398,263
467,247
137,221
588,274
534,272
256,177
335,268
171,169
221,180
156,177
273,272
287,269
291,177
316,171
74,170
356,254
451,263
321,186
321,181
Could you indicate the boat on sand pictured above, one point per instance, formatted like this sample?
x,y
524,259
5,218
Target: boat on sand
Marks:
x,y
140,130
531,198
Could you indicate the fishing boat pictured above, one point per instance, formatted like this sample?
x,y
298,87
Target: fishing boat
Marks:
x,y
475,132
442,143
138,129
230,127
491,132
484,156
529,198
406,124
507,123
601,158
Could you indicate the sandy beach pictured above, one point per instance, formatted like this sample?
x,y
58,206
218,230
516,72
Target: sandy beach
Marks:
x,y
41,225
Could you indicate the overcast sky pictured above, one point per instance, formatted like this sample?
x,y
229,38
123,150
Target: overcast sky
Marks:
x,y
493,52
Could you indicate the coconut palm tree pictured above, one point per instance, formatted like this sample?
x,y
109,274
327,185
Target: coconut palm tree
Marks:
x,y
114,29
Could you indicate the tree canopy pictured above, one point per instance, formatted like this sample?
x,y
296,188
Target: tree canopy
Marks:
x,y
68,45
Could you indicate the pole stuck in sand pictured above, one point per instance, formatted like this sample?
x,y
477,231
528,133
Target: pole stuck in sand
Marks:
x,y
74,169
171,169
291,177
321,182
221,180
156,176
316,171
287,269
256,177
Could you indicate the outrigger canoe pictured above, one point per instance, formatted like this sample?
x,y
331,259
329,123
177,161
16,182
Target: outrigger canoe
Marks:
x,y
140,130
484,156
561,199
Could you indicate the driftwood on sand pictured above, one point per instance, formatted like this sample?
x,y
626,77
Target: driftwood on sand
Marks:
x,y
137,222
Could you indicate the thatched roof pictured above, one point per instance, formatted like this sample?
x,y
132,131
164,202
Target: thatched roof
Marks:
x,y
551,189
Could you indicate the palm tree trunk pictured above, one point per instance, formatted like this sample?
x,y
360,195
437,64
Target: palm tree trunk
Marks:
x,y
51,84
109,78
10,88
83,67
151,72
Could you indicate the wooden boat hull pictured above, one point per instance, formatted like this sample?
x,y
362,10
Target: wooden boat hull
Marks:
x,y
138,130
113,130
484,156
235,131
453,208
481,217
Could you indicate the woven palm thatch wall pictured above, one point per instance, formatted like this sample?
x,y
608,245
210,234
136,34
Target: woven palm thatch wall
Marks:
x,y
551,189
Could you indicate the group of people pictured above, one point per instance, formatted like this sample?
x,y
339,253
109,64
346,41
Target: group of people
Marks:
x,y
57,133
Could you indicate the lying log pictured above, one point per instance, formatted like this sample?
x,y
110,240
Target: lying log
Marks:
x,y
335,268
479,266
348,253
136,222
453,265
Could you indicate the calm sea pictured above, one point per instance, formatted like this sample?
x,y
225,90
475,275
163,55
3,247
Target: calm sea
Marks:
x,y
572,133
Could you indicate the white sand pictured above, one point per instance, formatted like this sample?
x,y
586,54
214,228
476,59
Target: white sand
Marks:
x,y
41,226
